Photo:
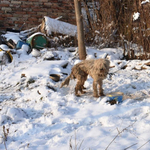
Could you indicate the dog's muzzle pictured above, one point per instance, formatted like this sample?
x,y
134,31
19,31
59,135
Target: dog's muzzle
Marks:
x,y
102,75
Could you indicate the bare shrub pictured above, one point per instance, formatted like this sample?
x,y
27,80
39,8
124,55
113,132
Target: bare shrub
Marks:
x,y
110,23
100,24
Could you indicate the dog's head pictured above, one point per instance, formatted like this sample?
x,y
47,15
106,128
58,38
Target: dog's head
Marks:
x,y
101,67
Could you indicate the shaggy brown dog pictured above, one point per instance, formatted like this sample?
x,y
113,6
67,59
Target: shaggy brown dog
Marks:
x,y
96,68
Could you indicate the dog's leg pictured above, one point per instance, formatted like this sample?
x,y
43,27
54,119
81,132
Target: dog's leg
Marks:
x,y
100,83
82,87
78,88
82,84
95,94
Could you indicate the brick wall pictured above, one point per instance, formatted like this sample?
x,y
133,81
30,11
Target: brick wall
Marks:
x,y
14,13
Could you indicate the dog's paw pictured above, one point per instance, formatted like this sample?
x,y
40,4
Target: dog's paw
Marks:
x,y
95,95
101,94
78,95
83,92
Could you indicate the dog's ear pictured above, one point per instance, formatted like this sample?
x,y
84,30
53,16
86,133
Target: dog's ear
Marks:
x,y
107,64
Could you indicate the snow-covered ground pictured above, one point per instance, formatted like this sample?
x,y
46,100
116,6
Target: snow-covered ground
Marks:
x,y
36,114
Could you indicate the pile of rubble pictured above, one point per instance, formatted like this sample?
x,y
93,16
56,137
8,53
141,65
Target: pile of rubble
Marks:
x,y
50,33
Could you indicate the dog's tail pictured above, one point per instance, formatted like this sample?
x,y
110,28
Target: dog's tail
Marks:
x,y
66,81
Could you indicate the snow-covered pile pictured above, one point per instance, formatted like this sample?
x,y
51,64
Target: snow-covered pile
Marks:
x,y
36,114
57,26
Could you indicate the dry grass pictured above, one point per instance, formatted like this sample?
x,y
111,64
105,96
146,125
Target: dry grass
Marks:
x,y
74,145
5,135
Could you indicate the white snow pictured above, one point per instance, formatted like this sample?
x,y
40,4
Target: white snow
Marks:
x,y
136,15
39,115
144,2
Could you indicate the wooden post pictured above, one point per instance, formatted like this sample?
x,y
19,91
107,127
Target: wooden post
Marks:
x,y
80,31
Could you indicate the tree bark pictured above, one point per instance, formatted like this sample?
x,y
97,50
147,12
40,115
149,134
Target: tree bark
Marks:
x,y
80,31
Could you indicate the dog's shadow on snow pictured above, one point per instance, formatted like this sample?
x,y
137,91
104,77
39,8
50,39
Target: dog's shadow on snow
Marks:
x,y
69,91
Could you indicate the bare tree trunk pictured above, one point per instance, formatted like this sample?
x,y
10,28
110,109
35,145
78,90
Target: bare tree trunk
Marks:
x,y
80,31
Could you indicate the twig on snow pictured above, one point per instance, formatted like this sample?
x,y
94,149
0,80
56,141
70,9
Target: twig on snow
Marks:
x,y
130,146
119,132
5,136
143,144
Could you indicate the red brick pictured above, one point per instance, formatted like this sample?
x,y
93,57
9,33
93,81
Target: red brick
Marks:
x,y
26,6
1,18
4,5
10,21
43,0
20,12
32,19
33,1
30,12
6,15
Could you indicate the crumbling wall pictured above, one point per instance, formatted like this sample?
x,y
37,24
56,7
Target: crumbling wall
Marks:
x,y
13,13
